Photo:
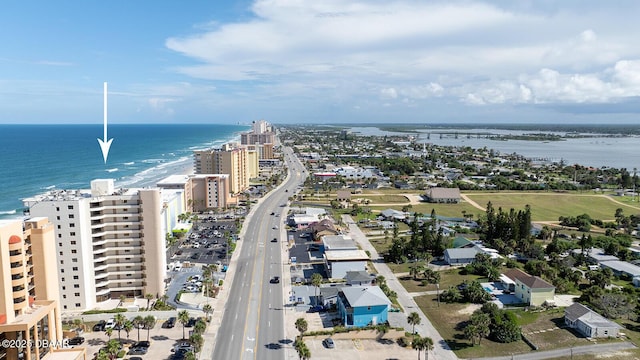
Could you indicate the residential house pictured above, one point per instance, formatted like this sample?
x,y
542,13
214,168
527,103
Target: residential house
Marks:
x,y
323,228
530,289
359,278
621,268
329,295
359,306
589,323
392,214
460,256
443,195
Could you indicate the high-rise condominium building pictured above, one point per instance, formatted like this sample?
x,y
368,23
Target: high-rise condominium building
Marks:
x,y
232,161
29,308
109,242
202,192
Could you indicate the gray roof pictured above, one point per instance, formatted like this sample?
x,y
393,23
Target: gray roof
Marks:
x,y
330,291
462,253
359,296
622,266
358,276
597,254
339,242
588,316
443,193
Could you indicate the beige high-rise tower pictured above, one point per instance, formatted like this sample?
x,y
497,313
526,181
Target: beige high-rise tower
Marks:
x,y
29,291
232,161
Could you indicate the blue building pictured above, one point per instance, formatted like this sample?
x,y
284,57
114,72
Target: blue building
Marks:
x,y
359,306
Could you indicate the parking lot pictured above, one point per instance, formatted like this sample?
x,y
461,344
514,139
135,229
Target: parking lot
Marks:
x,y
161,339
207,243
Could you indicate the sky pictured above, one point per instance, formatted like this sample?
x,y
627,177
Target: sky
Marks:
x,y
329,61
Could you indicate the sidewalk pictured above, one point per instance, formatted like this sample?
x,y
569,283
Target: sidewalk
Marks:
x,y
441,350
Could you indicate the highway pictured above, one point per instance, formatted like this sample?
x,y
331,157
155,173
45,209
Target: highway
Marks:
x,y
253,322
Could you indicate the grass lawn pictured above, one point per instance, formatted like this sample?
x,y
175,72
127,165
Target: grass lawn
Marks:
x,y
449,210
384,199
550,206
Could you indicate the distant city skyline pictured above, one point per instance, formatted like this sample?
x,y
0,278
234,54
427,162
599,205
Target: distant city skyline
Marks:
x,y
330,61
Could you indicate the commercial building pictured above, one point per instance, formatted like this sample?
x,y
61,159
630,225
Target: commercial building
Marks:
x,y
359,306
109,242
29,308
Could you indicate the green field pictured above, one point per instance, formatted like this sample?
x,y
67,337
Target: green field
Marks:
x,y
550,206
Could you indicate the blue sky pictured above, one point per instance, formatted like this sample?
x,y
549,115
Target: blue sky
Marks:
x,y
296,61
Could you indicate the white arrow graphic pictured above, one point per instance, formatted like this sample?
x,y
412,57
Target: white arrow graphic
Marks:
x,y
105,144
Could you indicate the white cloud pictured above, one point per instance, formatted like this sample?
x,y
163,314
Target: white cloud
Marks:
x,y
411,52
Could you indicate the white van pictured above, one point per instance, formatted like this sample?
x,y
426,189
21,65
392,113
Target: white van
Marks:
x,y
178,267
594,267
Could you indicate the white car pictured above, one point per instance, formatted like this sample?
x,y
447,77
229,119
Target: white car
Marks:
x,y
111,323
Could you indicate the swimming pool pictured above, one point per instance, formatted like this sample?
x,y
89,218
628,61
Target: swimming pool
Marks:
x,y
488,289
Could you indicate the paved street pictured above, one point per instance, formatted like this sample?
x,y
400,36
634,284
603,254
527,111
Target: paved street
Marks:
x,y
441,349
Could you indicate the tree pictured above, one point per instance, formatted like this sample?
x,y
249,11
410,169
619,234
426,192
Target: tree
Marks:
x,y
190,356
128,326
303,351
481,322
415,270
470,332
149,297
418,344
301,325
197,340
414,319
183,318
199,327
109,332
112,348
428,346
316,280
208,310
149,321
138,322
119,320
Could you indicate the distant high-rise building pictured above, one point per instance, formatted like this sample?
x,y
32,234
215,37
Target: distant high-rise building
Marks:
x,y
261,133
109,242
29,292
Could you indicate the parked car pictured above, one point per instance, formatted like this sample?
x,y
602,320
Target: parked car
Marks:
x,y
100,326
111,323
76,340
170,323
191,322
138,350
328,342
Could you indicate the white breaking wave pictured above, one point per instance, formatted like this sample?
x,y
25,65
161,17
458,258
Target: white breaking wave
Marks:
x,y
130,163
112,170
8,212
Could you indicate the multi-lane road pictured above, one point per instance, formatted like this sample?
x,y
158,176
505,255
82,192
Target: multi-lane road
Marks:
x,y
253,322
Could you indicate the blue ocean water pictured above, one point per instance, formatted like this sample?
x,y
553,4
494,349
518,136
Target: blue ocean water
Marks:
x,y
35,158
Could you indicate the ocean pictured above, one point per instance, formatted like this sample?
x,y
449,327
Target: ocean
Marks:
x,y
36,158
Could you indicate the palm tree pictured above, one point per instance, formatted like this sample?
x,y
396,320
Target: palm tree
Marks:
x,y
197,340
183,318
109,332
301,325
303,351
316,280
418,343
128,326
208,310
428,346
138,321
199,327
148,297
190,356
414,319
119,320
149,321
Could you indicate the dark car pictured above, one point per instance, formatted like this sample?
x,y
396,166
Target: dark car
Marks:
x,y
191,322
135,358
275,280
273,213
179,252
328,342
195,256
144,344
99,326
274,240
171,322
76,340
138,351
317,308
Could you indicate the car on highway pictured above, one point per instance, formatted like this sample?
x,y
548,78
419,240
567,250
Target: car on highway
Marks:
x,y
275,280
328,343
275,227
274,240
